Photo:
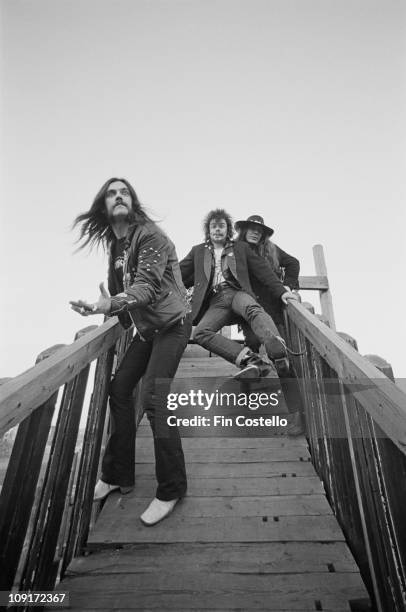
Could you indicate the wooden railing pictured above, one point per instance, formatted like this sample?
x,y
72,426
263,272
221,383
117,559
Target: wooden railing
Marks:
x,y
356,423
356,420
46,497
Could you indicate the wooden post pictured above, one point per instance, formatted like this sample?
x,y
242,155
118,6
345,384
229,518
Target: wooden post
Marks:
x,y
326,301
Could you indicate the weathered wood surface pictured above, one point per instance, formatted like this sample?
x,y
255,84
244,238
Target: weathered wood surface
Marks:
x,y
295,469
326,301
227,455
382,399
255,532
171,590
314,283
292,444
233,557
24,393
201,487
21,482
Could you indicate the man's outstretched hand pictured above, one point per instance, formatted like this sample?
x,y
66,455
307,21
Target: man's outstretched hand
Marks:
x,y
102,306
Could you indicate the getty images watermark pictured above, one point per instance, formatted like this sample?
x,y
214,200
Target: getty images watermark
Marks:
x,y
199,399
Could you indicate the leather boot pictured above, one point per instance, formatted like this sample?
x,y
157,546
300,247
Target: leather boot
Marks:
x,y
253,366
276,350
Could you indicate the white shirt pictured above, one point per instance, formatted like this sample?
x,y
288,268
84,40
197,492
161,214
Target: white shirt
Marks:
x,y
218,273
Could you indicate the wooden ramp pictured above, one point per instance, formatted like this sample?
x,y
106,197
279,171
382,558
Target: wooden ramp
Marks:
x,y
255,532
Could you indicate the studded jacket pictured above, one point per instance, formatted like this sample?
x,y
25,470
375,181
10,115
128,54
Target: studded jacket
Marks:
x,y
152,296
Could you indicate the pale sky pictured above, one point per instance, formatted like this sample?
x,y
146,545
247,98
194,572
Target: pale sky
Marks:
x,y
291,109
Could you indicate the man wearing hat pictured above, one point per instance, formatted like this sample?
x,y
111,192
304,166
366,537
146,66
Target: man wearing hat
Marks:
x,y
257,235
220,270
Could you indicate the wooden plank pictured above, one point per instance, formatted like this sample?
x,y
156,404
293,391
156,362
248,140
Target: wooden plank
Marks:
x,y
265,505
177,591
384,401
313,283
299,443
247,558
24,393
241,470
202,487
124,529
232,455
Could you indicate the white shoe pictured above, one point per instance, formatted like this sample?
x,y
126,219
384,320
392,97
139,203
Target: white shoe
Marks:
x,y
102,489
157,511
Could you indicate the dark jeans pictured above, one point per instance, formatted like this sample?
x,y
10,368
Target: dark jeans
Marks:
x,y
227,306
154,359
289,383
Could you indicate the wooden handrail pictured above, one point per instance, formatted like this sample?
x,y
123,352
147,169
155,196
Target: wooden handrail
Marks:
x,y
379,396
23,394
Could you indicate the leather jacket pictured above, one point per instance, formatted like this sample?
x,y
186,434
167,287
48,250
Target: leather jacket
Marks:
x,y
153,296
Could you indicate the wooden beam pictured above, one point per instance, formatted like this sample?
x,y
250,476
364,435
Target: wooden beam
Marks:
x,y
24,393
381,398
326,301
313,283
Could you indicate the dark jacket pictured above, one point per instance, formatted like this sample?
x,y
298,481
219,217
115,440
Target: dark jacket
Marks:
x,y
239,262
290,268
153,293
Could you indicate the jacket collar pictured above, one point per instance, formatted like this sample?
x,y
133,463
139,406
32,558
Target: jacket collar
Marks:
x,y
228,245
208,256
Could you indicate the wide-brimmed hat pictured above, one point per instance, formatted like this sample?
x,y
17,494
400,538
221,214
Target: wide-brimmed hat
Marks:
x,y
256,220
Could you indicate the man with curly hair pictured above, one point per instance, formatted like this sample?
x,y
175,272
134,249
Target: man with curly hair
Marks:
x,y
220,270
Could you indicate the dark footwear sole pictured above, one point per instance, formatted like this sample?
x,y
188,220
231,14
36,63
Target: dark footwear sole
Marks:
x,y
248,373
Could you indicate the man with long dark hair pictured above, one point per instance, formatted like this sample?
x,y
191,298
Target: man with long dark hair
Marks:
x,y
257,235
146,289
221,271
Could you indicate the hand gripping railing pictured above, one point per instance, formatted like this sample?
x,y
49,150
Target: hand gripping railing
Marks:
x,y
356,424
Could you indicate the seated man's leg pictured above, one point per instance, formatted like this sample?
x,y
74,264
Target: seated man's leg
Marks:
x,y
250,338
218,315
263,327
288,380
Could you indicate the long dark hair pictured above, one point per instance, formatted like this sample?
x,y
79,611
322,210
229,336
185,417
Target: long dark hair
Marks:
x,y
265,248
95,228
216,214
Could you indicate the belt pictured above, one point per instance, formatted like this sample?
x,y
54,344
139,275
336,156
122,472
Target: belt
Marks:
x,y
221,287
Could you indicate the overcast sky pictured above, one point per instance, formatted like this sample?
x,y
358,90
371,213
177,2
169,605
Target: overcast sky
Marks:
x,y
291,109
